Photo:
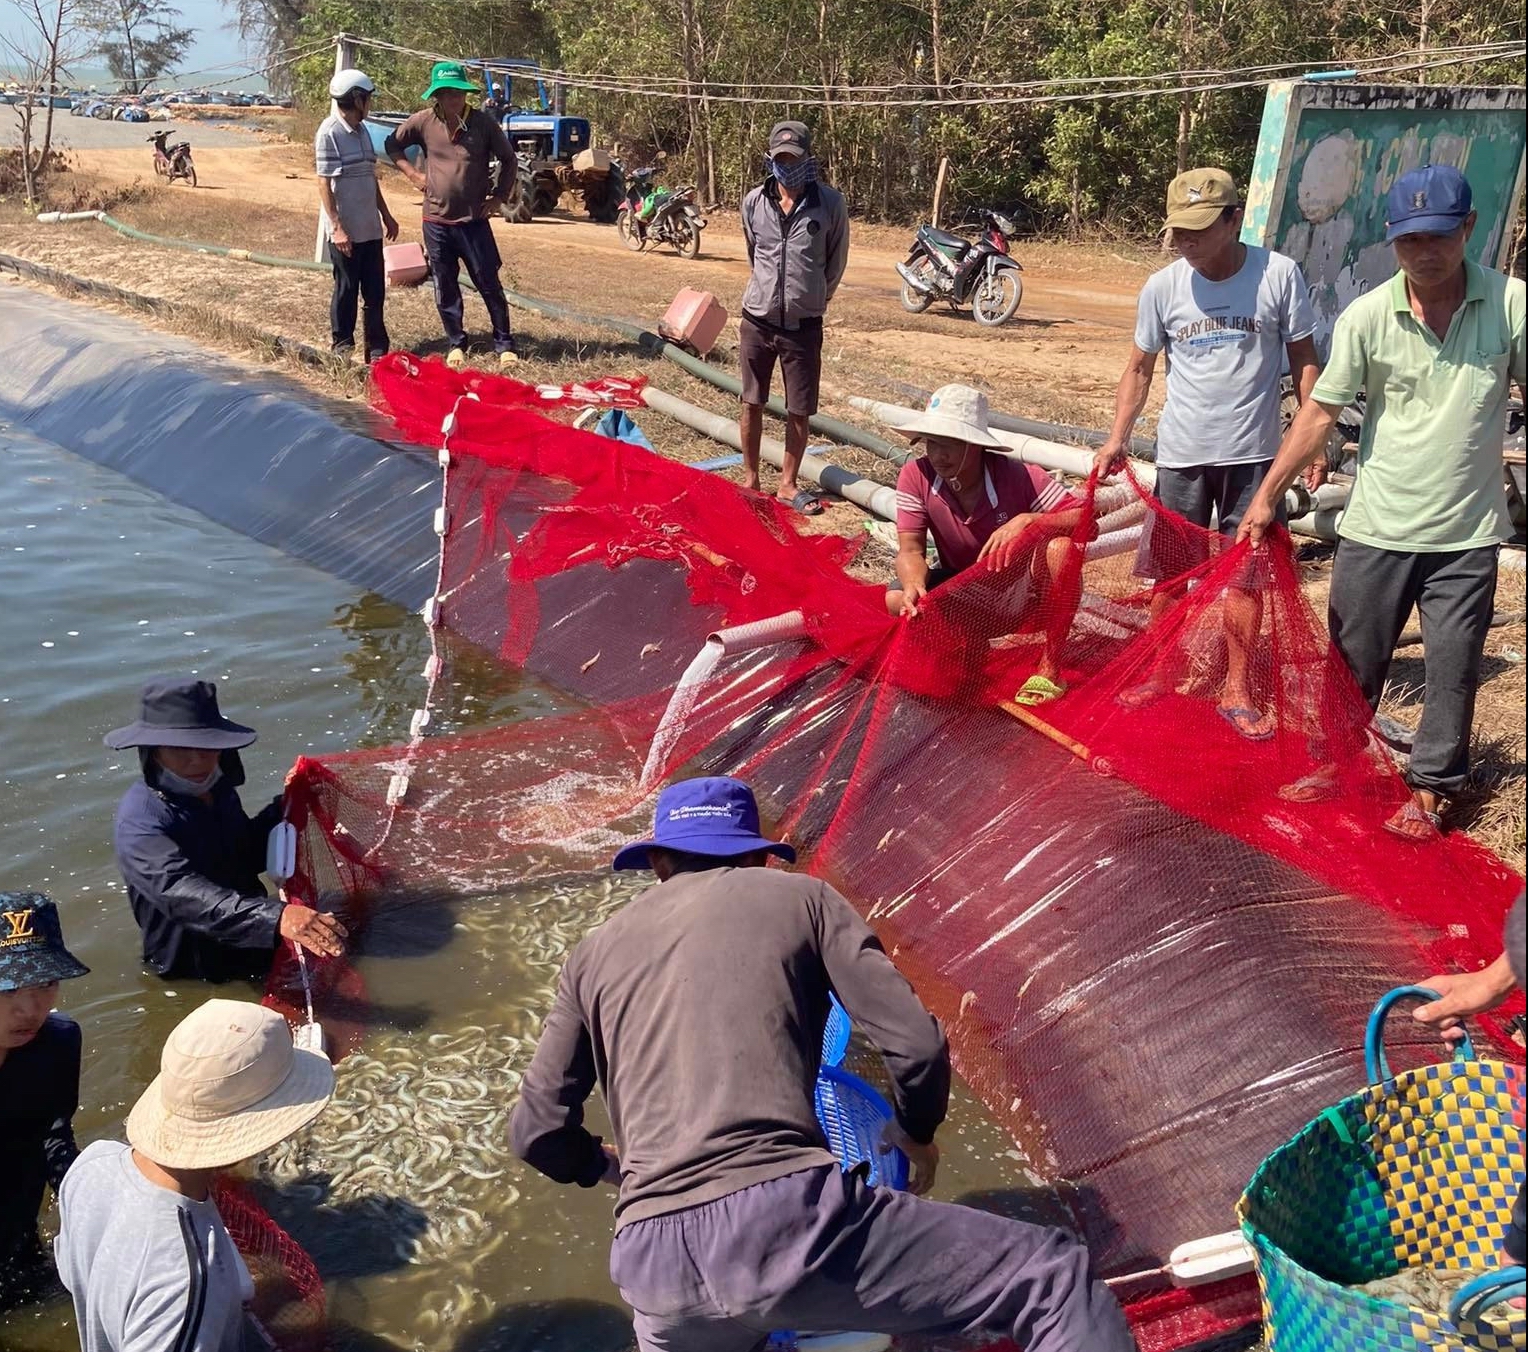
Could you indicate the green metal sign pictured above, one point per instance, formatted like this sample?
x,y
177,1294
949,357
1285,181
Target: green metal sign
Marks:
x,y
1328,154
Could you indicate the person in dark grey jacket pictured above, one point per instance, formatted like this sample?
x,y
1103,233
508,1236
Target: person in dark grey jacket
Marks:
x,y
189,853
699,1009
797,233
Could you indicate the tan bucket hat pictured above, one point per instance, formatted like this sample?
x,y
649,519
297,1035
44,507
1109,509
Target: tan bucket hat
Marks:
x,y
230,1085
954,411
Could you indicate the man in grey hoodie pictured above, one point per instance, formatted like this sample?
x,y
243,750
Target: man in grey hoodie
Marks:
x,y
797,233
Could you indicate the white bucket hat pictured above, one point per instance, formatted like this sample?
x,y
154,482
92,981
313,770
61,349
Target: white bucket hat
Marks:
x,y
954,411
230,1085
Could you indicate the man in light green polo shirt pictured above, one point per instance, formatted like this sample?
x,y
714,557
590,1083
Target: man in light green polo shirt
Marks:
x,y
1435,349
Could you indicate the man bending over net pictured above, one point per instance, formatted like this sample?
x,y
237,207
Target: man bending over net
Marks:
x,y
985,510
699,1009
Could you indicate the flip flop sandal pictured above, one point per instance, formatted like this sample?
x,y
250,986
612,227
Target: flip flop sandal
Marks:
x,y
1245,721
1039,690
1320,786
806,502
1414,814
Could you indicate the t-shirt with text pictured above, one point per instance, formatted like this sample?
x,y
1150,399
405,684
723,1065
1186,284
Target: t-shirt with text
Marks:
x,y
1224,343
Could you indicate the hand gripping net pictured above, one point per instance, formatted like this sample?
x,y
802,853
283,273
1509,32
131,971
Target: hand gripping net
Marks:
x,y
1150,963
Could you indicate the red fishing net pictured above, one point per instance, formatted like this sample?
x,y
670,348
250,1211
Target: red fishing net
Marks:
x,y
289,1296
1152,939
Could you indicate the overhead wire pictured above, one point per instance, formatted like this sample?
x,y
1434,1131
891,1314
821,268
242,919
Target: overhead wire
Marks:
x,y
845,96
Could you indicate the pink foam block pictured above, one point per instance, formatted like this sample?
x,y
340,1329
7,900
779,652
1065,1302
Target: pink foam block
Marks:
x,y
405,263
695,318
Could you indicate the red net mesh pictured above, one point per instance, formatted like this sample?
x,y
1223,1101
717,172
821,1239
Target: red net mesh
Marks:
x,y
1153,964
289,1296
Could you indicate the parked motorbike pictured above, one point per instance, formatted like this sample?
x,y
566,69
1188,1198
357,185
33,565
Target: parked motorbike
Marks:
x,y
172,161
979,273
650,214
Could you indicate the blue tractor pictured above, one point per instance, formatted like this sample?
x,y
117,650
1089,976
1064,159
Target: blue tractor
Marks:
x,y
556,153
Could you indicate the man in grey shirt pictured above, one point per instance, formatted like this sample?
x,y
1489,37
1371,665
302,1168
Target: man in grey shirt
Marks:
x,y
1226,315
141,1246
355,215
699,1010
796,229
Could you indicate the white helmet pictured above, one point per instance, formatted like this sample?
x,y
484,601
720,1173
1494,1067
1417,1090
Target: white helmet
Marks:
x,y
347,80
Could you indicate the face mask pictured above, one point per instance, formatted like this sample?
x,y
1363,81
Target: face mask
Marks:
x,y
171,782
794,174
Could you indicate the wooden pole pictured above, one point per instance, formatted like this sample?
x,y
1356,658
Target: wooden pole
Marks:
x,y
344,59
939,181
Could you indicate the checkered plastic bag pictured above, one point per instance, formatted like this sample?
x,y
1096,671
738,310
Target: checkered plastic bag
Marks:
x,y
1419,1170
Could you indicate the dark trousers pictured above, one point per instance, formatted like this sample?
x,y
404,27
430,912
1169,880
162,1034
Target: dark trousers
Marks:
x,y
818,1251
358,279
1373,591
472,243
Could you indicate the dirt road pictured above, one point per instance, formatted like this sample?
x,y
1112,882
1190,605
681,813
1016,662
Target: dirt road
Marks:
x,y
1059,359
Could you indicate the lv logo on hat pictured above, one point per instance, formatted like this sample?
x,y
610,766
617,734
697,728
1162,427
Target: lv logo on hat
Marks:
x,y
20,926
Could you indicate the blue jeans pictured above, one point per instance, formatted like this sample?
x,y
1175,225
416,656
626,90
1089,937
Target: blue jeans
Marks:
x,y
472,243
819,1251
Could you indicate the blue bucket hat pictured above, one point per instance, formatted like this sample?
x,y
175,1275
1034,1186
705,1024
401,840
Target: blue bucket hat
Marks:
x,y
1433,200
714,816
32,951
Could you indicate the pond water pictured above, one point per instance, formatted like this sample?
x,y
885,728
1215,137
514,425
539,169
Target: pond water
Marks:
x,y
428,1235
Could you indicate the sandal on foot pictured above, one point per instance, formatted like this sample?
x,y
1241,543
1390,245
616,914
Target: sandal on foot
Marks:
x,y
1320,786
1039,690
1424,826
806,502
1247,722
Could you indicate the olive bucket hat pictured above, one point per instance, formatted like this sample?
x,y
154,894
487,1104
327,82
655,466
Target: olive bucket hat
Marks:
x,y
449,75
32,951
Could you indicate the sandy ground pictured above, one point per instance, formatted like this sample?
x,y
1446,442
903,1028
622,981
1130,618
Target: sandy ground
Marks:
x,y
1060,358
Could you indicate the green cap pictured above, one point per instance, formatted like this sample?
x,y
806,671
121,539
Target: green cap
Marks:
x,y
449,75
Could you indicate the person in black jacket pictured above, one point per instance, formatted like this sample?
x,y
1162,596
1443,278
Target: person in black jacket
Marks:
x,y
189,853
39,1085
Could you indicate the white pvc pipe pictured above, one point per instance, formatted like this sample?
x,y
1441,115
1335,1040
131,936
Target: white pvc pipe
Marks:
x,y
745,637
723,643
1510,559
67,217
1116,542
873,497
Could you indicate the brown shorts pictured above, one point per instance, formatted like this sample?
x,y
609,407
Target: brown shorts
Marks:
x,y
799,352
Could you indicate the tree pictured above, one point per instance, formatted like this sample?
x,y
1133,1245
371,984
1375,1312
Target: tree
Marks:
x,y
48,39
138,39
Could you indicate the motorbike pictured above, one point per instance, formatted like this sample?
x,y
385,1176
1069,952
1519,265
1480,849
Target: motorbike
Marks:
x,y
979,273
650,214
172,161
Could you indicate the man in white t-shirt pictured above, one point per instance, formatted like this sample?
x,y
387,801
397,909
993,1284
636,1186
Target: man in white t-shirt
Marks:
x,y
1226,314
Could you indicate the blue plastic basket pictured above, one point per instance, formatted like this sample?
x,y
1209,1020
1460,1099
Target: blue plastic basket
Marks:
x,y
835,1034
853,1115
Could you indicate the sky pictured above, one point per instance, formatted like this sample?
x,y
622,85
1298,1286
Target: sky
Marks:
x,y
217,41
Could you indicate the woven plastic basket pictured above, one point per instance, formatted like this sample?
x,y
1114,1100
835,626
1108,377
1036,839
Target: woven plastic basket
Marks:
x,y
852,1115
836,1033
1419,1170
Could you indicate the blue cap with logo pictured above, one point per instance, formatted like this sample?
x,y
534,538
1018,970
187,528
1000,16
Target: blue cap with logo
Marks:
x,y
1433,200
715,816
